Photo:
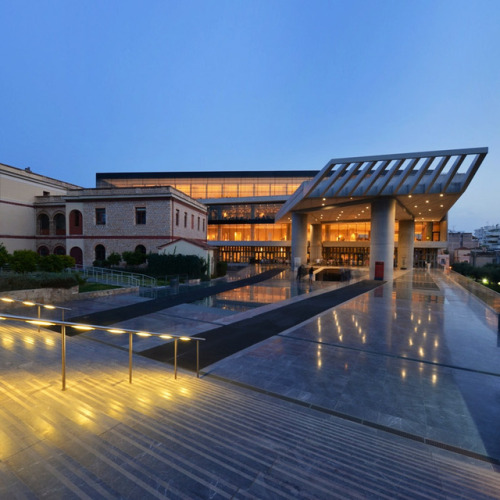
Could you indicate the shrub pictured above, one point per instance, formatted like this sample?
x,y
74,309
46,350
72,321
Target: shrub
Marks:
x,y
134,258
162,265
100,263
56,263
221,268
38,280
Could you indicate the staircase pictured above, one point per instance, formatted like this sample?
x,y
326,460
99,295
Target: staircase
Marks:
x,y
192,438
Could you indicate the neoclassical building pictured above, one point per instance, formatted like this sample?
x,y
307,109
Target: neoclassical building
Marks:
x,y
18,222
90,224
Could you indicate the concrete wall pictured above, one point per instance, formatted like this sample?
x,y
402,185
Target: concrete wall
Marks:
x,y
18,189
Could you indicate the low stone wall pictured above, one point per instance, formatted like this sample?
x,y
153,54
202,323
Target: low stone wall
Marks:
x,y
107,293
44,295
58,295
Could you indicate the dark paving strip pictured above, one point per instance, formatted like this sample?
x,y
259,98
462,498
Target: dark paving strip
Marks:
x,y
226,340
118,314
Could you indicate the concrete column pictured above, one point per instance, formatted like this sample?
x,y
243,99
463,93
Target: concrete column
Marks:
x,y
299,239
443,229
427,232
382,236
315,249
406,244
327,232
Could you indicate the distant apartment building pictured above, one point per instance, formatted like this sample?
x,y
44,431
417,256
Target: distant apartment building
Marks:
x,y
460,246
489,237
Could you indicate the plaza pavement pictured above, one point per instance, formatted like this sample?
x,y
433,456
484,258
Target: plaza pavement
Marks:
x,y
392,394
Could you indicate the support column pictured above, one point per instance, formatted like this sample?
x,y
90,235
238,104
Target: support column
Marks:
x,y
382,236
406,243
299,239
443,229
315,249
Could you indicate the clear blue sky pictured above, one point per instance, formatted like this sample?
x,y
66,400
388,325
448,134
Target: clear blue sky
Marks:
x,y
187,85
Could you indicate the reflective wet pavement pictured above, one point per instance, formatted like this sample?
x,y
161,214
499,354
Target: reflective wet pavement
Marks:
x,y
418,356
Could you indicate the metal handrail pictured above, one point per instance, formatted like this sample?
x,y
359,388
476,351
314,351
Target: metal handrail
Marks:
x,y
483,293
116,277
87,327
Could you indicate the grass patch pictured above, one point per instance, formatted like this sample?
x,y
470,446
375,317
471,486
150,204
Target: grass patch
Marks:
x,y
95,287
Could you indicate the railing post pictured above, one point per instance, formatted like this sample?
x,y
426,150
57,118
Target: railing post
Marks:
x,y
197,359
130,357
175,358
63,356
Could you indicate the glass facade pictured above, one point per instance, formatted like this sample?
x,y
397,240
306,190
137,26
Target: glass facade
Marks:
x,y
361,231
217,186
254,254
248,232
243,212
251,221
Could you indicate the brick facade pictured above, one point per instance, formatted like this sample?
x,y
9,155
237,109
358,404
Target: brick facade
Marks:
x,y
121,228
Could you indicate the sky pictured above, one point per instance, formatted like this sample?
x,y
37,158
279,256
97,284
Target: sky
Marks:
x,y
212,85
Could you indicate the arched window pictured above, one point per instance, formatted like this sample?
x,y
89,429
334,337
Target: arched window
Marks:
x,y
100,252
60,223
59,250
140,249
77,254
75,222
43,251
43,224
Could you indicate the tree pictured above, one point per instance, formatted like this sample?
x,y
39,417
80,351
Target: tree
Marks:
x,y
23,261
114,259
4,255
